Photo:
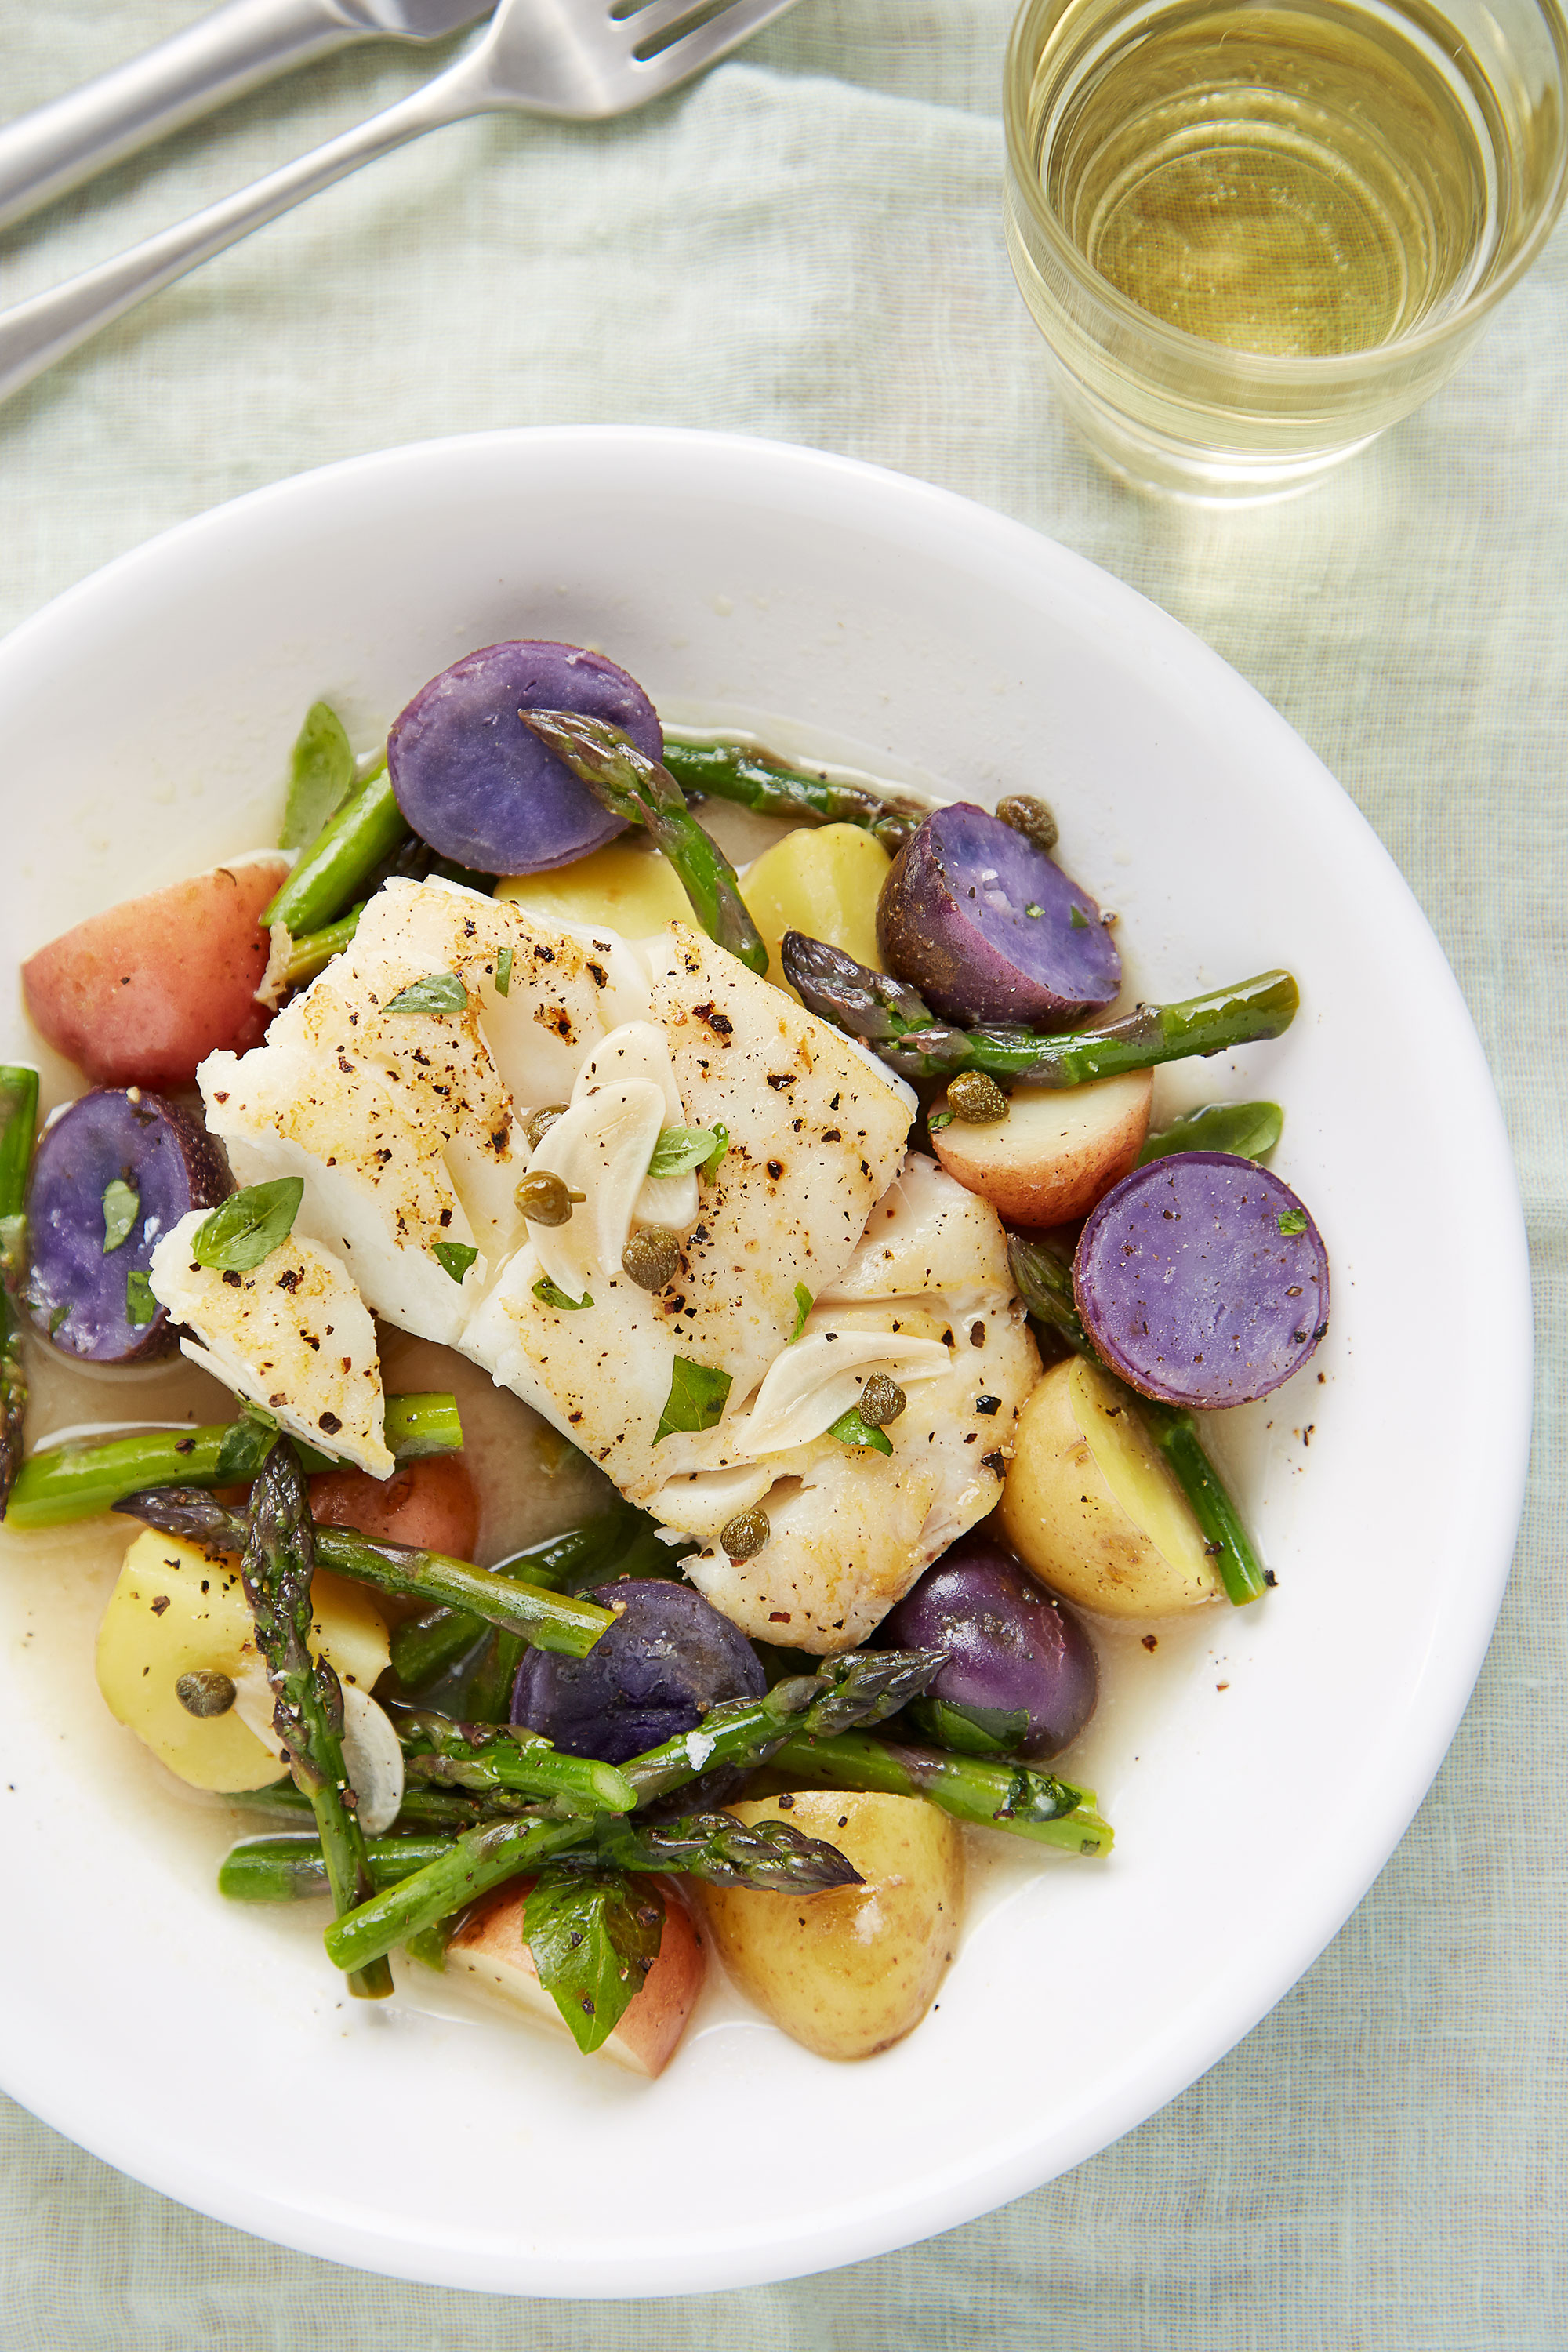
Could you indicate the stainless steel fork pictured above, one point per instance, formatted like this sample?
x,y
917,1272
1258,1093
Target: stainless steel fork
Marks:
x,y
578,60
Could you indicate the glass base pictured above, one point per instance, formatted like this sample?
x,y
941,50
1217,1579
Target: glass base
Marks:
x,y
1170,470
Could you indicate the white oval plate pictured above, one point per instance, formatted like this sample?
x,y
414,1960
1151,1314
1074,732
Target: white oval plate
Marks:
x,y
207,2048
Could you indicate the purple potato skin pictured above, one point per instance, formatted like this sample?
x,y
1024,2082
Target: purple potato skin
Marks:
x,y
1013,1645
975,959
173,1165
475,784
653,1676
1189,1288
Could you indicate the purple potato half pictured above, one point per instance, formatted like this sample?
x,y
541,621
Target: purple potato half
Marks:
x,y
76,1289
1203,1280
989,928
473,782
1022,1677
653,1676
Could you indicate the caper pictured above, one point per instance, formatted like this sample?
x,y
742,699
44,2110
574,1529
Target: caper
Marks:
x,y
544,1199
1030,817
746,1533
205,1692
881,1401
975,1098
538,1123
652,1257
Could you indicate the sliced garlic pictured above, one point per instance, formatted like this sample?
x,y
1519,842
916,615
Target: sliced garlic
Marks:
x,y
373,1758
639,1050
807,1387
600,1148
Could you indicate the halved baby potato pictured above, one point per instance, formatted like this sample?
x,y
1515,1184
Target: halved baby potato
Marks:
x,y
1058,1151
491,1951
847,1973
177,1611
1093,1509
824,880
627,883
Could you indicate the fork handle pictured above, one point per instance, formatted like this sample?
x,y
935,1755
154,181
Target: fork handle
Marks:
x,y
36,333
59,145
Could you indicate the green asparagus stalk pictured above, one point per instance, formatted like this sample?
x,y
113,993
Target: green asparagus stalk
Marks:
x,y
313,952
1248,1130
18,1123
488,1695
866,1687
1043,1282
757,779
770,1857
425,1646
630,785
548,1619
334,870
481,1757
889,1014
283,1869
74,1482
1030,1803
277,1567
423,1809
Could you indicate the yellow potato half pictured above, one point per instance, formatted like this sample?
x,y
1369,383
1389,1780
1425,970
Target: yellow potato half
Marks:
x,y
1058,1150
848,1973
824,880
627,884
1093,1510
174,1611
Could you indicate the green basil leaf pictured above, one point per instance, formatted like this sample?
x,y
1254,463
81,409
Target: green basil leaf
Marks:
x,y
1291,1221
141,1306
594,1940
438,992
696,1399
503,972
552,1295
971,1731
681,1148
249,1225
803,1303
720,1145
850,1430
320,776
1246,1130
121,1207
247,1443
453,1257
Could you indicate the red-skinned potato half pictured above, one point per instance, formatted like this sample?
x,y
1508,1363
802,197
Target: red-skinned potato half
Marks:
x,y
140,995
1056,1152
431,1504
491,1950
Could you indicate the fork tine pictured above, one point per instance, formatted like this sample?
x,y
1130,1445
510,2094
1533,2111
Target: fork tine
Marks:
x,y
705,44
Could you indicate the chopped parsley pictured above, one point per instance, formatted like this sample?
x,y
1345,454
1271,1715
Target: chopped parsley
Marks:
x,y
121,1207
1291,1221
503,972
802,1310
850,1430
453,1257
552,1295
141,1306
438,992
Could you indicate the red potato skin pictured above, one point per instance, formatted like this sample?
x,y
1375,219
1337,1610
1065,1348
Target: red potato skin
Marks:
x,y
140,995
431,1504
491,1940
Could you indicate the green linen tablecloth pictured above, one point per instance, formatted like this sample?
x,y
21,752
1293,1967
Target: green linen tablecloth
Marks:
x,y
808,246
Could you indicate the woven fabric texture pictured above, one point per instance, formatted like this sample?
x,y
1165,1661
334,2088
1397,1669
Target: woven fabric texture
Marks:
x,y
807,244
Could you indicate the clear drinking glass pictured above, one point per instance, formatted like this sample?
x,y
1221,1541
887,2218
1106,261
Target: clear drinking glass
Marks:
x,y
1254,233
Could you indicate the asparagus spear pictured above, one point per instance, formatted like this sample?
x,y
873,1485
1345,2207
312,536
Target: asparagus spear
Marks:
x,y
282,1869
277,1566
772,1857
864,1688
424,1646
18,1122
891,1015
73,1482
486,1756
630,785
334,870
423,1809
732,772
489,1695
1045,1285
548,1619
310,952
1014,1797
